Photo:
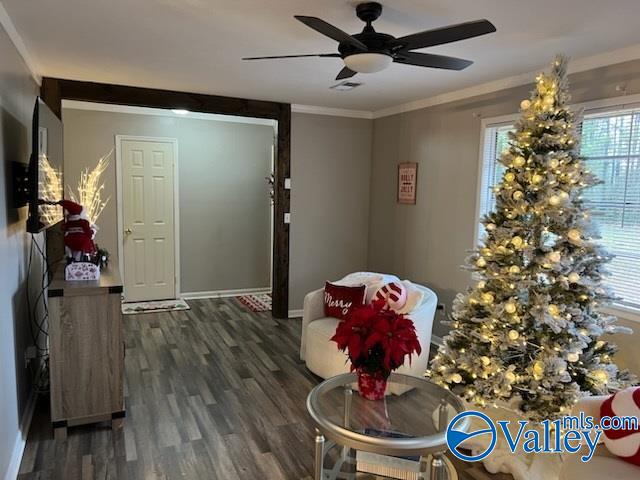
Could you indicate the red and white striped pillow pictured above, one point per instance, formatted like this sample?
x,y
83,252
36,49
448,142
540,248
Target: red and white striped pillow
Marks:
x,y
625,444
394,294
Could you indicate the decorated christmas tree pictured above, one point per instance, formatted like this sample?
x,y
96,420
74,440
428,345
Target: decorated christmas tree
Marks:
x,y
528,334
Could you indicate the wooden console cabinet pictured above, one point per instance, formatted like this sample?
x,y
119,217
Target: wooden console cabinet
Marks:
x,y
86,351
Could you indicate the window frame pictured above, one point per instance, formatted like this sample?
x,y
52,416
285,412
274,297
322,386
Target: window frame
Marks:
x,y
594,106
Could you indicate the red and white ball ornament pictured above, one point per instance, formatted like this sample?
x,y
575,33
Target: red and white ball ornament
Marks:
x,y
625,444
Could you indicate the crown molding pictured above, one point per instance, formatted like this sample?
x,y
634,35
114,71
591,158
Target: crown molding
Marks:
x,y
578,65
115,108
333,112
10,28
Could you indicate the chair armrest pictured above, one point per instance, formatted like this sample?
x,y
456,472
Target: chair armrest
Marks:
x,y
312,309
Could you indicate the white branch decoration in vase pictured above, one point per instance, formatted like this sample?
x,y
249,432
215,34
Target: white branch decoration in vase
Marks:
x,y
89,190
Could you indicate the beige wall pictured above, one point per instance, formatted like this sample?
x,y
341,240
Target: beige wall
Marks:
x,y
224,206
428,242
17,97
330,174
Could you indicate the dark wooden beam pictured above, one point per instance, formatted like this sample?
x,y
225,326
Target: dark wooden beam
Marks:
x,y
54,90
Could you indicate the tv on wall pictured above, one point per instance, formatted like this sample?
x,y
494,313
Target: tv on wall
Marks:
x,y
45,169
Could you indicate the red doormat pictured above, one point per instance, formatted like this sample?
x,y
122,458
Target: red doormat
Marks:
x,y
256,303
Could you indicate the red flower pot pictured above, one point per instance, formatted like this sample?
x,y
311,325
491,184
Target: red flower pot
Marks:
x,y
371,387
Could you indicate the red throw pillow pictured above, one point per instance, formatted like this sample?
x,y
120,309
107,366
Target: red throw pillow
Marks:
x,y
623,443
339,300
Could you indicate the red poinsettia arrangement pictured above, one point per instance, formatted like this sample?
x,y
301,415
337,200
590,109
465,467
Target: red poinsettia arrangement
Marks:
x,y
377,339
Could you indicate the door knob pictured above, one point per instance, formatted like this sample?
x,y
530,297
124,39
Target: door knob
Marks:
x,y
128,231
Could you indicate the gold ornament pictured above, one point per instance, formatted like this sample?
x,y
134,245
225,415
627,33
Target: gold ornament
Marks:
x,y
538,370
509,176
536,178
510,307
517,195
574,235
600,376
481,262
490,226
574,277
510,376
487,298
553,163
481,284
514,269
517,241
573,357
525,104
553,310
554,200
513,335
485,360
554,257
519,161
456,378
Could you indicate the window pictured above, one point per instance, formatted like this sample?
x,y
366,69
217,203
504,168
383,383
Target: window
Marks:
x,y
611,147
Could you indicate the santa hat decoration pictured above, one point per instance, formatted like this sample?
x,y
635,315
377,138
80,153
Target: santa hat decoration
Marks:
x,y
393,294
72,207
623,443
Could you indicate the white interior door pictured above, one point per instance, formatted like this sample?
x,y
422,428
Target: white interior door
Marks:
x,y
148,219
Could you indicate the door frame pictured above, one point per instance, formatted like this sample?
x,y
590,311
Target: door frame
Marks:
x,y
54,90
176,198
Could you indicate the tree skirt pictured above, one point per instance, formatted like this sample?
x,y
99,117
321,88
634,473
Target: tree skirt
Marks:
x,y
134,308
256,303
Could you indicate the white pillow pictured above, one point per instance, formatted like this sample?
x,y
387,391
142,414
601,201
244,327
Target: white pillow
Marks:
x,y
373,281
414,297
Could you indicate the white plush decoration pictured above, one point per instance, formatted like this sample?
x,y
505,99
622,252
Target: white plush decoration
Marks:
x,y
394,294
623,443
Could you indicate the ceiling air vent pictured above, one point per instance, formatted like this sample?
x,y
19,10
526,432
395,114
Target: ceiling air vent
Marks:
x,y
345,86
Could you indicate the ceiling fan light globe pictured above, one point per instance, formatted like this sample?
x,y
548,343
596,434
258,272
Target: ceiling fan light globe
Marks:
x,y
368,62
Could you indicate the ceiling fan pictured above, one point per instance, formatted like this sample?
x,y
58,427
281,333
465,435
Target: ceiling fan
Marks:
x,y
371,51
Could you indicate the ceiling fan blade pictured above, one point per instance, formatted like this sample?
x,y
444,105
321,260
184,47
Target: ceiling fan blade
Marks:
x,y
433,61
439,36
346,72
332,55
330,31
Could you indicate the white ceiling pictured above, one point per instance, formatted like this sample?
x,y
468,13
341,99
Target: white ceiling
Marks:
x,y
196,45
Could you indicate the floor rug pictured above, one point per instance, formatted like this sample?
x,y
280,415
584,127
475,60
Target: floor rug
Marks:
x,y
133,308
256,303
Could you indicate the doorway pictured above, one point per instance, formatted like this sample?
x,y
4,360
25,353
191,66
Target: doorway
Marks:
x,y
148,222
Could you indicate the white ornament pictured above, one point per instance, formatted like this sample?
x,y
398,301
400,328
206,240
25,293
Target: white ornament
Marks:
x,y
554,200
574,277
573,357
491,226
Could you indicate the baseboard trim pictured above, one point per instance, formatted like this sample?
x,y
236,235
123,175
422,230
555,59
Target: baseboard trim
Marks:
x,y
295,313
21,439
436,340
224,293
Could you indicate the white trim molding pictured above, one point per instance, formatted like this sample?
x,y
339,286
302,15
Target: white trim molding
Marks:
x,y
176,206
12,32
21,439
163,112
295,313
224,293
333,112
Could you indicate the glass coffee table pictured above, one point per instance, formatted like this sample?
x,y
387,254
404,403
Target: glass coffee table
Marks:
x,y
402,436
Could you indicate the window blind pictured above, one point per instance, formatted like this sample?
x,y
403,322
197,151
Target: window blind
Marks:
x,y
611,147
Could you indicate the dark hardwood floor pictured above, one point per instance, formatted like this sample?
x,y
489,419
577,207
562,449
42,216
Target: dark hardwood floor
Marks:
x,y
215,392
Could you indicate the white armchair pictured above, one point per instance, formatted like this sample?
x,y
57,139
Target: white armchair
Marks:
x,y
322,355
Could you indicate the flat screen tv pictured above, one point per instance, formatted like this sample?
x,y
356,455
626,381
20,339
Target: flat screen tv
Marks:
x,y
45,169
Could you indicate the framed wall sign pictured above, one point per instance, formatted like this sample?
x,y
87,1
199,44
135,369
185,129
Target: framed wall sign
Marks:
x,y
407,181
